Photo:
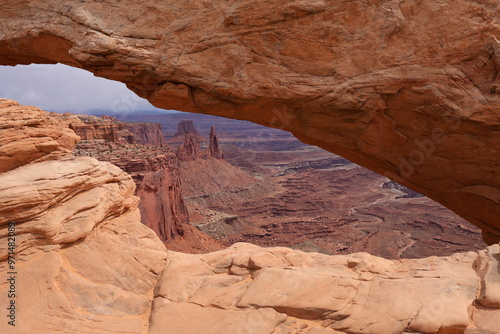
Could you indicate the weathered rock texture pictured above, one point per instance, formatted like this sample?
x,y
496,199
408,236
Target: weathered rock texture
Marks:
x,y
183,128
249,289
155,170
409,89
146,134
112,130
28,135
84,261
189,149
86,264
213,146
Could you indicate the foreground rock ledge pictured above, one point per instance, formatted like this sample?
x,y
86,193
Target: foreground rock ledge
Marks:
x,y
86,264
409,89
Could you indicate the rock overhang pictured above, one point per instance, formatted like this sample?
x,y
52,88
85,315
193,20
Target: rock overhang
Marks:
x,y
394,86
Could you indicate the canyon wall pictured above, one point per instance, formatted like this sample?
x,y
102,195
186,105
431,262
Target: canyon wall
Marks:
x,y
90,127
146,134
140,150
409,89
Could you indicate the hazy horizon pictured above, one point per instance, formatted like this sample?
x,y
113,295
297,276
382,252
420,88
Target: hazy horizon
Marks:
x,y
62,88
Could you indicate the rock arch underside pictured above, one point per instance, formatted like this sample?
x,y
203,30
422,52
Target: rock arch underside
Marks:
x,y
409,89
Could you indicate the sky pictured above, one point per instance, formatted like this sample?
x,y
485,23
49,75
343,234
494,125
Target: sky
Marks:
x,y
63,88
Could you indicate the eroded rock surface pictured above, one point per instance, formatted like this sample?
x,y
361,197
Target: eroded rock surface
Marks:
x,y
140,150
183,128
278,290
189,149
108,128
86,264
409,89
214,149
29,135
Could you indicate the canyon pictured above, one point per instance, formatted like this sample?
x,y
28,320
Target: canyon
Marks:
x,y
141,150
278,192
408,89
286,193
85,263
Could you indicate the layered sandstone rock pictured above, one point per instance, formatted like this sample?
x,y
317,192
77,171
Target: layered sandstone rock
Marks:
x,y
112,130
408,89
184,127
78,236
155,170
189,149
28,135
146,134
249,289
85,264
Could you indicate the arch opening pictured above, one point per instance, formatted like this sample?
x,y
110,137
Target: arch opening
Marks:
x,y
362,189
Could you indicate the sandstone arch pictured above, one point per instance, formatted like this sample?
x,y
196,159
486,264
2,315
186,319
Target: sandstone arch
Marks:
x,y
409,89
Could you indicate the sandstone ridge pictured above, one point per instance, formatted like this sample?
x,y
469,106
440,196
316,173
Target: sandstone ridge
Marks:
x,y
86,264
409,89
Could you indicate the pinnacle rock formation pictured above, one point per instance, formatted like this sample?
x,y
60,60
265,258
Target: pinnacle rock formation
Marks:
x,y
189,149
154,169
409,89
214,150
184,127
86,264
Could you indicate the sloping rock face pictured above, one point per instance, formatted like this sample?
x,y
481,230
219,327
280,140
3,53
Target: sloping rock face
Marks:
x,y
28,135
236,291
84,263
409,89
78,235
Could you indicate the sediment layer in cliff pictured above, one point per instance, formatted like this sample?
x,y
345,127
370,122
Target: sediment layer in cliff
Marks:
x,y
110,129
183,128
139,149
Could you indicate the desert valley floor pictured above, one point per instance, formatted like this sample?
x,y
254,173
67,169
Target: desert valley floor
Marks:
x,y
286,193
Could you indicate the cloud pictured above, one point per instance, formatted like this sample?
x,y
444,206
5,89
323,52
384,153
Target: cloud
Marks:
x,y
63,88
